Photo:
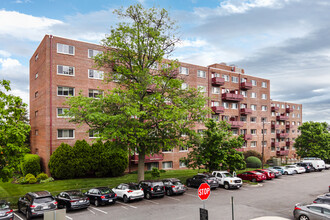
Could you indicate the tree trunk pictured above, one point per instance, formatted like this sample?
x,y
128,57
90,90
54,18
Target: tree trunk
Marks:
x,y
141,165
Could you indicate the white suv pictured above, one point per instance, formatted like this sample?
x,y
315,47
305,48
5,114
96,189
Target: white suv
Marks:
x,y
297,169
227,180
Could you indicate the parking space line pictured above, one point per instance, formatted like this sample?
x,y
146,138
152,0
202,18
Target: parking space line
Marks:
x,y
190,195
124,207
152,202
173,198
91,211
69,217
17,216
99,210
134,207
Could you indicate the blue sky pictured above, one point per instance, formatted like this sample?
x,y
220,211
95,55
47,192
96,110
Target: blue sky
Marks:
x,y
286,41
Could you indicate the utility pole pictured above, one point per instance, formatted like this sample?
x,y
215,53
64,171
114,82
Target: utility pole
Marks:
x,y
263,143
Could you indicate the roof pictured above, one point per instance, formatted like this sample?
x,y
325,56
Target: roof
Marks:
x,y
40,194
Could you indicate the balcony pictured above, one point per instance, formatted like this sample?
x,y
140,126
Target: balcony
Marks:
x,y
246,85
288,110
282,153
236,124
289,143
275,109
218,81
275,144
247,137
148,159
288,126
282,117
245,111
282,135
232,97
218,109
274,126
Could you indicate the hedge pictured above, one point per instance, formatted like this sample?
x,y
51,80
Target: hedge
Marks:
x,y
30,164
253,162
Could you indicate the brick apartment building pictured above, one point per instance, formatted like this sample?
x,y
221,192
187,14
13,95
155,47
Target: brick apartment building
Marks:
x,y
61,67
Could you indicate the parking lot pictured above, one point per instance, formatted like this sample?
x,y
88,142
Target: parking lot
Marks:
x,y
271,198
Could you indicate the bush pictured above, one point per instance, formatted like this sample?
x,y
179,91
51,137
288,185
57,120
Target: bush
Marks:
x,y
253,153
50,179
118,162
22,180
32,180
102,160
30,164
155,172
42,176
82,158
253,162
28,176
61,163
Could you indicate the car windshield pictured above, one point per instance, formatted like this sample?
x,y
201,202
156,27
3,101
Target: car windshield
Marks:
x,y
44,199
4,205
177,183
133,187
227,175
105,190
157,184
75,193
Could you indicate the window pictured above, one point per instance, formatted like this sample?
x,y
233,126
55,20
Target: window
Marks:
x,y
183,148
36,57
253,143
65,70
36,113
184,70
293,107
201,73
282,106
65,91
95,74
254,83
182,164
263,131
215,90
264,84
201,88
167,165
244,93
61,112
65,134
264,108
292,115
298,107
235,131
226,77
36,132
298,115
254,107
152,165
264,143
65,49
253,95
225,105
234,106
215,75
243,118
36,94
298,123
263,119
214,103
215,117
93,134
264,96
184,86
94,93
167,150
253,131
93,53
234,79
272,149
243,80
273,114
253,119
36,76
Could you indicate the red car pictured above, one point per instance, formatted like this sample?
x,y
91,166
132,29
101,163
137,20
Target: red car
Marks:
x,y
253,176
269,175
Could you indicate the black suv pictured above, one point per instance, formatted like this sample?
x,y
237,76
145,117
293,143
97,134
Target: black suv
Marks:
x,y
36,203
152,188
73,199
308,166
6,213
197,180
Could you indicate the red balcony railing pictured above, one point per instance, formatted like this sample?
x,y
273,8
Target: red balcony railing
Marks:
x,y
218,81
275,144
148,159
274,126
288,126
288,110
236,124
232,97
289,143
275,109
282,135
247,137
246,85
245,111
282,153
218,109
282,117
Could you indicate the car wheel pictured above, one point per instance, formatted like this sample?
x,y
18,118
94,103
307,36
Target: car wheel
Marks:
x,y
303,217
96,203
226,186
168,192
28,215
285,173
188,184
19,207
148,196
254,180
126,199
295,172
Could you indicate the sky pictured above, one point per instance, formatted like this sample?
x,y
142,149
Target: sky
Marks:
x,y
285,41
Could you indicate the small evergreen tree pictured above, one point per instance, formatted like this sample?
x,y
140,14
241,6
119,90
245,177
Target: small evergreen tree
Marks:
x,y
61,163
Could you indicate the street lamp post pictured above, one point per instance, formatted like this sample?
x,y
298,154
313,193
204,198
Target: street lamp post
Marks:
x,y
263,143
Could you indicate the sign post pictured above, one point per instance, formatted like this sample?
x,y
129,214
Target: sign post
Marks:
x,y
204,192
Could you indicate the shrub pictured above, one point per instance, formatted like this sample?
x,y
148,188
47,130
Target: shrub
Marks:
x,y
42,176
32,180
50,179
102,160
61,164
253,153
22,180
253,162
155,172
82,158
30,164
118,162
28,176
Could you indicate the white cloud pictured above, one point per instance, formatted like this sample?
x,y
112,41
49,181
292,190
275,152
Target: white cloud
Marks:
x,y
4,53
192,43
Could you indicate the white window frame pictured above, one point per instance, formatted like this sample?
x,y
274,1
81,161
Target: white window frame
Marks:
x,y
234,79
201,74
62,109
253,95
65,88
264,108
182,164
234,106
253,121
95,52
183,149
203,90
244,93
215,117
253,107
184,86
184,70
167,162
264,84
225,105
95,92
66,69
226,77
66,130
263,96
93,133
215,90
254,82
65,47
253,144
97,74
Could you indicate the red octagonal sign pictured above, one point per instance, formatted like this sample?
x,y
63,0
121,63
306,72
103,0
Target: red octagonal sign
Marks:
x,y
204,191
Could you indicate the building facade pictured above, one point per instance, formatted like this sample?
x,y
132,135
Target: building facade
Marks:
x,y
62,67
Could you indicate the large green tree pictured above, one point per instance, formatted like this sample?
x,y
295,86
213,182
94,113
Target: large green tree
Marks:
x,y
147,110
216,149
13,131
314,140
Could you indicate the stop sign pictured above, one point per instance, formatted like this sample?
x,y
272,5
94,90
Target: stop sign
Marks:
x,y
204,191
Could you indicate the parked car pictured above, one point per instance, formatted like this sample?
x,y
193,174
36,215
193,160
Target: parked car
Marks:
x,y
297,169
253,176
307,165
101,196
152,188
73,199
311,212
227,180
318,164
197,180
284,170
174,186
129,191
322,200
327,166
6,213
269,175
36,203
277,173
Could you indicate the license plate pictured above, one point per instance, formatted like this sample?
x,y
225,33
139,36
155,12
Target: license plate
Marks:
x,y
45,207
110,200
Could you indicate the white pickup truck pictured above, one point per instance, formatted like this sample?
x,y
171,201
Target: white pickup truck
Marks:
x,y
227,180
